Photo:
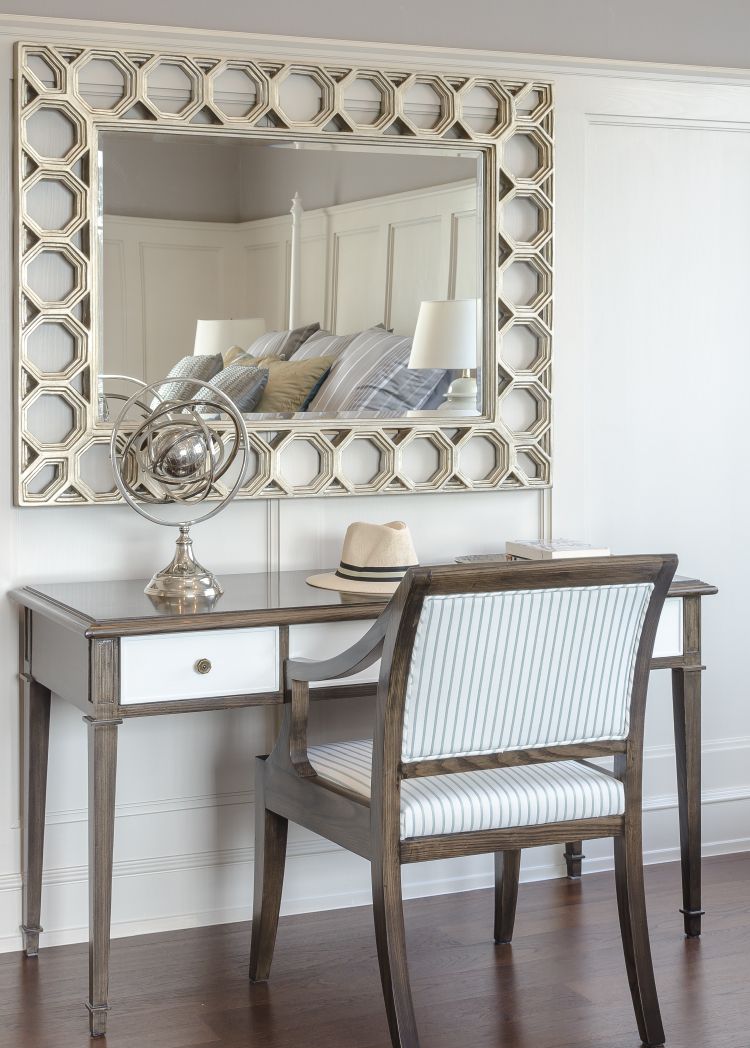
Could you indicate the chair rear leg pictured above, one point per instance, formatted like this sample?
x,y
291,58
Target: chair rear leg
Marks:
x,y
507,870
631,903
573,857
391,941
270,858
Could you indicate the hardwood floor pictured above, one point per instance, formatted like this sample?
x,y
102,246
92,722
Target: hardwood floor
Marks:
x,y
561,984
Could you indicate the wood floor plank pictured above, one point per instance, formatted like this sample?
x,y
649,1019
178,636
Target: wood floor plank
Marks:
x,y
561,984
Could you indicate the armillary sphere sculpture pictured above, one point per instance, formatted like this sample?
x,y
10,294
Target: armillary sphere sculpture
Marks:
x,y
168,457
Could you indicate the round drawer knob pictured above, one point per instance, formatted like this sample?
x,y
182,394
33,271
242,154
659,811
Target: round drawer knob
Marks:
x,y
203,666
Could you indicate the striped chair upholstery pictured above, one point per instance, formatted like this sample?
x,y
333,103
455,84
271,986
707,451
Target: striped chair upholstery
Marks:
x,y
372,373
502,671
521,669
479,800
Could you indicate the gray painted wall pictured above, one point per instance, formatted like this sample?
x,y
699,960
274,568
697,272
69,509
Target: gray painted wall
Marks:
x,y
220,180
690,31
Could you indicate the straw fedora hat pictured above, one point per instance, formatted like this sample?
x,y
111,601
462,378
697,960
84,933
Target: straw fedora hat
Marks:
x,y
374,559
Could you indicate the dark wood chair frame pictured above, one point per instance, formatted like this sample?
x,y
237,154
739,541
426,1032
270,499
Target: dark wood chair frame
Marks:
x,y
287,786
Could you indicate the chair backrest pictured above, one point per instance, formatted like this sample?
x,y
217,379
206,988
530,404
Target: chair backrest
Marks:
x,y
527,656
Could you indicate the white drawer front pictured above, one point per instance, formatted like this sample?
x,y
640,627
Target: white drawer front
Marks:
x,y
669,633
326,639
163,668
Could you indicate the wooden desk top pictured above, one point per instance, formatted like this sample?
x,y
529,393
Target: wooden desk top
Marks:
x,y
121,608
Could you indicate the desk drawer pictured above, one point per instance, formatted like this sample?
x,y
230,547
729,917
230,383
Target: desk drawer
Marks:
x,y
326,639
669,631
166,668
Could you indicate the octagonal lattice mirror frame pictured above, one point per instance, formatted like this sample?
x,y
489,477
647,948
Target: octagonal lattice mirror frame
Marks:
x,y
519,459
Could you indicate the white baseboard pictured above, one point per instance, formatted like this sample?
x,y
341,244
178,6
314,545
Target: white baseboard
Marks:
x,y
437,879
215,883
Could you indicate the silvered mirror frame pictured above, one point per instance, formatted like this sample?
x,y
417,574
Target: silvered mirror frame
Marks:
x,y
54,473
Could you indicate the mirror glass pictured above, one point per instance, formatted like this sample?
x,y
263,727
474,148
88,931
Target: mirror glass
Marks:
x,y
200,227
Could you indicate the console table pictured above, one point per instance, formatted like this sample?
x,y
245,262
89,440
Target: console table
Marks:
x,y
106,648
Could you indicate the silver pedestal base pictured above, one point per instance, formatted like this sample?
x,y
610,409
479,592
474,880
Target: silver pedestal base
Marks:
x,y
184,579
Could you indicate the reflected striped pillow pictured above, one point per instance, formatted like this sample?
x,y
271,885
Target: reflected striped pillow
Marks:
x,y
325,344
243,385
200,368
373,374
281,344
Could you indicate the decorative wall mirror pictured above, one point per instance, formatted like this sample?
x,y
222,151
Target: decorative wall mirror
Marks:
x,y
156,190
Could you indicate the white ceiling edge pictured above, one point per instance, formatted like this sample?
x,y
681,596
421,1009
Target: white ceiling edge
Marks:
x,y
84,32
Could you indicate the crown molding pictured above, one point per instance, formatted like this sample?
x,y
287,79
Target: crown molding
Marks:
x,y
323,49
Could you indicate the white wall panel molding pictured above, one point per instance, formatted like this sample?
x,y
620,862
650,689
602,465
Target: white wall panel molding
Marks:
x,y
396,249
718,754
164,806
215,884
684,123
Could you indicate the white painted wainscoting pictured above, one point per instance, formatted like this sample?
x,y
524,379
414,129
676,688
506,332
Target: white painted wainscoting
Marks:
x,y
363,263
651,380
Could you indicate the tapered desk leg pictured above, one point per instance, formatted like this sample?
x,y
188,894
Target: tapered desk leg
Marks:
x,y
36,707
102,775
573,858
686,700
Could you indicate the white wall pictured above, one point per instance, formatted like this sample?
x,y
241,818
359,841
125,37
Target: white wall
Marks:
x,y
204,179
651,372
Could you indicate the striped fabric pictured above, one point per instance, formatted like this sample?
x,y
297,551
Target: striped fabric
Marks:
x,y
244,386
372,373
280,344
324,344
480,800
199,368
523,668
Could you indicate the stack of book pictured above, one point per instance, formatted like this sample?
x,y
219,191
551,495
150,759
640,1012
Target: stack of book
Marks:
x,y
531,549
557,549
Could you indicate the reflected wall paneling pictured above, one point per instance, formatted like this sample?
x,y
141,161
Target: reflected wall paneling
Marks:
x,y
362,264
67,95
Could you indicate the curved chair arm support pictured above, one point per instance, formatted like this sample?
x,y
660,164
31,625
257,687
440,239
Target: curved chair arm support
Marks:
x,y
361,655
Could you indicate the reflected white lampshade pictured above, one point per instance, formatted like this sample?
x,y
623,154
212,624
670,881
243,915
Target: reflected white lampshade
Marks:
x,y
446,337
217,336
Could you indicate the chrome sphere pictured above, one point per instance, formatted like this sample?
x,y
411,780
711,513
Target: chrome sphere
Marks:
x,y
167,451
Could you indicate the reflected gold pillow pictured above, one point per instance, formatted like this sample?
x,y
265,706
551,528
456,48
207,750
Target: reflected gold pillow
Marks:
x,y
289,381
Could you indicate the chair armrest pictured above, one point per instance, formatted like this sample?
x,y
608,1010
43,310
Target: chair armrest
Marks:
x,y
367,650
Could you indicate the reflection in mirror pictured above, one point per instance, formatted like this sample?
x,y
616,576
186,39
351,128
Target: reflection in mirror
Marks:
x,y
325,291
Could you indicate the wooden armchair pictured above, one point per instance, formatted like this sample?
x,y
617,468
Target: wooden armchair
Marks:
x,y
497,685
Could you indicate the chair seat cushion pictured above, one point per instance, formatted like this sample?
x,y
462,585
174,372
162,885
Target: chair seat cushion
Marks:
x,y
480,800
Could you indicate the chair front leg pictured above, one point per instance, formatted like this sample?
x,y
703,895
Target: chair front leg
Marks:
x,y
391,941
507,870
270,859
631,903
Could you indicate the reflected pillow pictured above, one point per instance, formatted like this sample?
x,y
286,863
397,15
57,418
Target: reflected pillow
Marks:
x,y
372,374
290,382
200,368
279,344
314,391
324,344
243,385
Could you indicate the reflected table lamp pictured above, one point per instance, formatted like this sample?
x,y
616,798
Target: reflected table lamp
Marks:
x,y
217,336
446,337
